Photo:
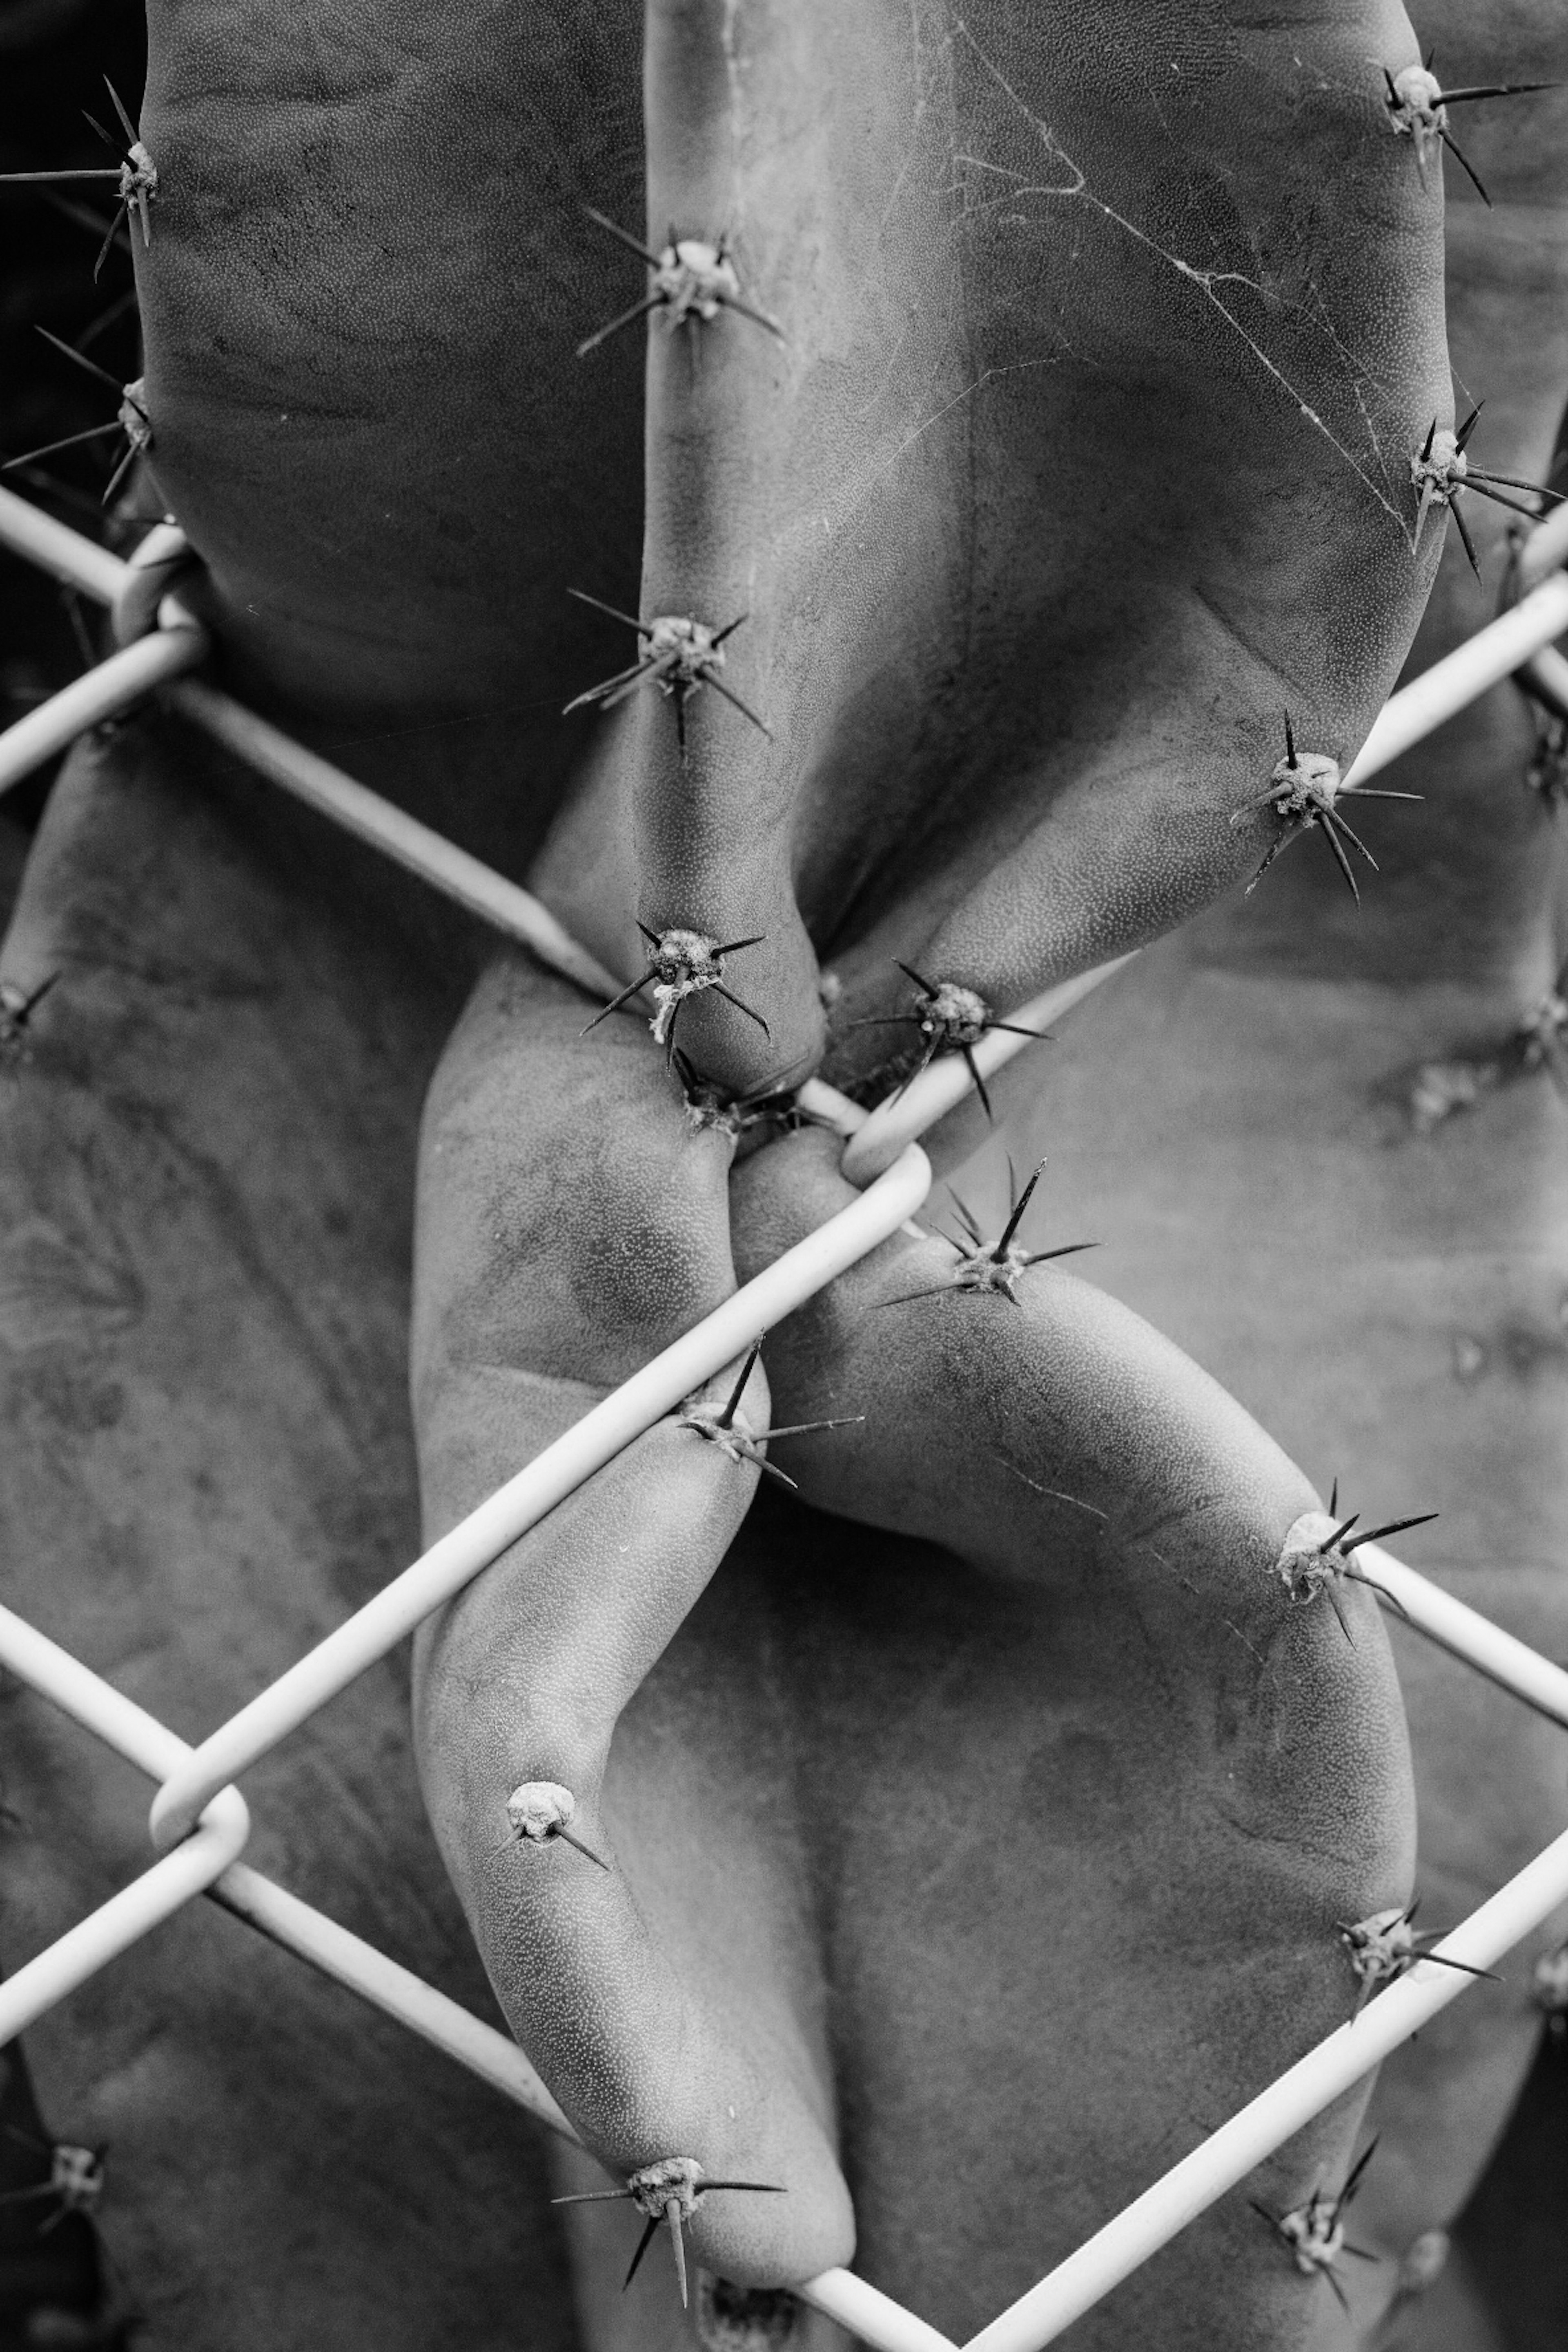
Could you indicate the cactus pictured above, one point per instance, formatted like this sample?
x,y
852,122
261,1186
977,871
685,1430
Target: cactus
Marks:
x,y
1102,361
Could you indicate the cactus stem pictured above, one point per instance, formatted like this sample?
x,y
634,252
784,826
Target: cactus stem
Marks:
x,y
668,2191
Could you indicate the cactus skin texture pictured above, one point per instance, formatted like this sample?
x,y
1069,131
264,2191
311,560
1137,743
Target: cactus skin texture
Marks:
x,y
982,1829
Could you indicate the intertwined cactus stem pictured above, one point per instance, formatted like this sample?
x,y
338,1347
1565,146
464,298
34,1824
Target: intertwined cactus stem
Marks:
x,y
668,2191
1386,1944
1315,2230
1318,1554
541,1811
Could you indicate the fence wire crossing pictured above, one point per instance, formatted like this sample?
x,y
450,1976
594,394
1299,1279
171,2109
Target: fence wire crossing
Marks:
x,y
199,1821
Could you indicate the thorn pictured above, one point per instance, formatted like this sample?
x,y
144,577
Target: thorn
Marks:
x,y
1339,1612
615,1002
1442,1961
1426,445
926,987
1289,742
1495,89
1470,545
1011,1227
1332,820
634,244
572,1840
1340,860
93,433
125,122
637,310
727,1418
1512,482
1353,2179
1482,483
744,708
614,610
672,2214
1453,147
644,2243
80,360
978,1083
1469,426
1392,1527
730,998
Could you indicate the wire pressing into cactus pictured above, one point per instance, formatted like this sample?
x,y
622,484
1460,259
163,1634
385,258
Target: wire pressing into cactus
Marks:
x,y
732,1432
1315,2230
692,280
1419,105
1305,790
1307,1568
952,1020
132,420
1440,470
668,2191
683,964
994,1267
682,655
137,177
539,1812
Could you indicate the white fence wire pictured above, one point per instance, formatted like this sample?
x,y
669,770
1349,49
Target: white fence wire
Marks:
x,y
199,1821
